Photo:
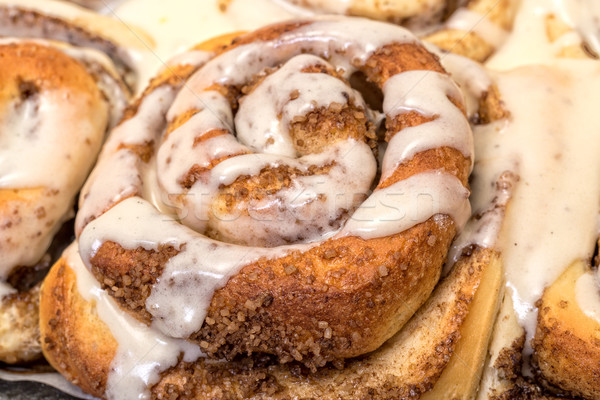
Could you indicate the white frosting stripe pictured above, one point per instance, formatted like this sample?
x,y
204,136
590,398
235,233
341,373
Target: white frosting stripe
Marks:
x,y
143,353
427,93
274,103
472,77
470,21
409,202
117,173
341,42
181,296
177,154
195,58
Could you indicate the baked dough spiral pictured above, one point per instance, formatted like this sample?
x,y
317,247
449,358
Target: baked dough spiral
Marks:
x,y
338,282
327,299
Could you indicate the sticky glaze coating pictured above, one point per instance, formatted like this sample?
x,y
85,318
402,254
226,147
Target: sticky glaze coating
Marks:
x,y
53,118
56,104
319,297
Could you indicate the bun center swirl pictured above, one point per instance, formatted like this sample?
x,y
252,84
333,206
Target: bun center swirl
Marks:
x,y
301,161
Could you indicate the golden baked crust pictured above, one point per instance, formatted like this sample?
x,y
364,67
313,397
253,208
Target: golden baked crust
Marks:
x,y
567,342
79,345
74,340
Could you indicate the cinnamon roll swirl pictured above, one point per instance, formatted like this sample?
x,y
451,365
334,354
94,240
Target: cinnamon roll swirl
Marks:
x,y
239,209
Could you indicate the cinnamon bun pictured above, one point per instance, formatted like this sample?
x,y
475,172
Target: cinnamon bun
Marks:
x,y
243,192
57,102
186,231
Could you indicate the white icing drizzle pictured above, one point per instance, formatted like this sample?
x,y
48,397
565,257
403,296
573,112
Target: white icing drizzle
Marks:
x,y
409,202
313,91
587,295
60,128
548,223
484,226
143,353
116,175
428,93
195,58
180,298
472,77
584,15
551,140
470,21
